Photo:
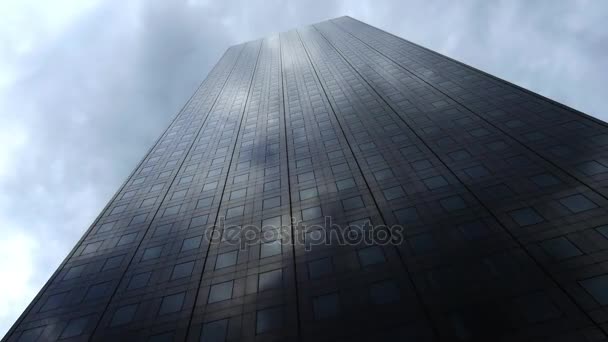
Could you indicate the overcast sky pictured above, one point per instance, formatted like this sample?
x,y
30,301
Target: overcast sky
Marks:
x,y
87,86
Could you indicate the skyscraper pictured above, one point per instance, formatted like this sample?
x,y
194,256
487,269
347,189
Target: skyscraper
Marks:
x,y
336,182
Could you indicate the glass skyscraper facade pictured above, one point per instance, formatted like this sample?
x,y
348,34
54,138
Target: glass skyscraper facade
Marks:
x,y
339,183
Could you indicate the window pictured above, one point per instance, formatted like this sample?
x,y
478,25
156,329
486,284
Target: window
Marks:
x,y
421,164
538,307
97,291
220,292
319,268
383,174
270,248
526,217
370,255
238,194
577,203
474,230
172,303
560,248
544,180
54,301
191,243
198,221
235,211
422,243
138,219
353,203
112,262
182,270
214,331
452,203
123,315
270,203
308,193
171,210
311,213
126,239
226,259
406,215
151,253
270,280
384,292
326,306
459,155
393,193
476,171
139,281
269,319
74,327
597,287
91,247
592,168
435,182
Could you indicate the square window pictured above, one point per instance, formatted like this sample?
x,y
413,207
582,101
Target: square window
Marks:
x,y
198,221
383,174
97,291
308,193
597,287
353,203
544,180
435,182
560,248
106,227
110,263
215,331
474,230
270,248
238,194
210,186
166,337
119,209
148,201
172,210
497,145
268,186
319,268
476,171
577,203
91,247
139,281
191,243
204,202
182,270
370,255
226,259
326,306
393,193
54,301
31,335
384,292
409,150
306,176
162,230
123,315
126,239
452,203
179,194
603,230
220,292
270,223
151,253
268,320
240,178
74,327
526,216
311,213
172,303
421,164
538,308
592,168
273,202
235,211
406,215
270,280
459,155
422,243
336,169
137,219
345,184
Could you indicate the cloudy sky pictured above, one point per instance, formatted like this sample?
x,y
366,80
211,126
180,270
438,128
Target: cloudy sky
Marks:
x,y
87,86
